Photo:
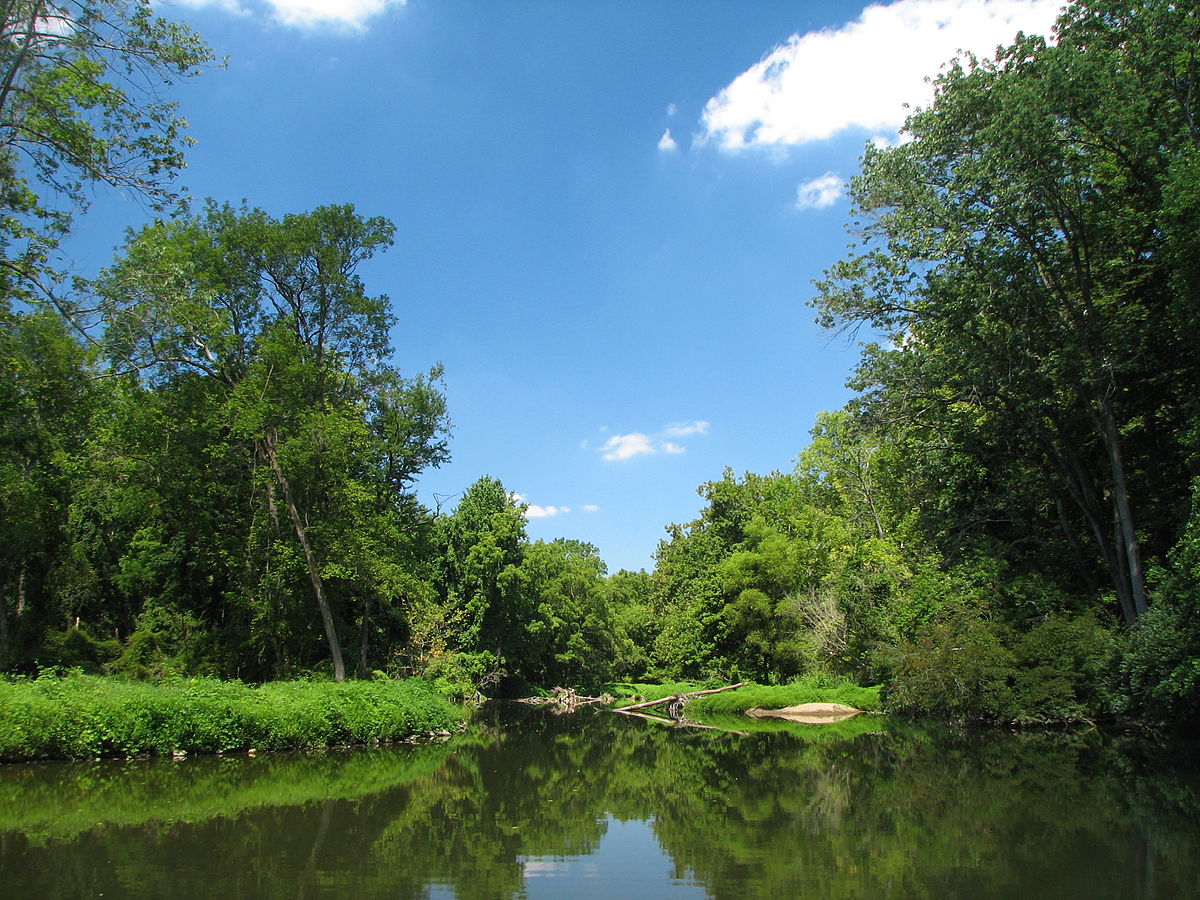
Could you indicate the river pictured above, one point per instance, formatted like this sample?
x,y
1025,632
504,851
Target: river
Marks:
x,y
591,805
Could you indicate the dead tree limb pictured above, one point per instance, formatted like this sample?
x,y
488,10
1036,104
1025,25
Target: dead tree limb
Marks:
x,y
681,698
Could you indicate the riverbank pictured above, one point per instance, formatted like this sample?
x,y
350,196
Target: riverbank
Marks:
x,y
80,716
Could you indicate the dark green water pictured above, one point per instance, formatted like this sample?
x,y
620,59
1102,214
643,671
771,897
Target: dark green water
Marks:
x,y
598,805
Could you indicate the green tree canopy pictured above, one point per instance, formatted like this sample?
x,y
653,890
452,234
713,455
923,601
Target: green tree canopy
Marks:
x,y
82,102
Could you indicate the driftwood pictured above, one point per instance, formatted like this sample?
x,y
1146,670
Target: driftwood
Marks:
x,y
566,700
563,700
677,701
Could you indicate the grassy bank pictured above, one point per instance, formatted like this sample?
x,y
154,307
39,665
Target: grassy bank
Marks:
x,y
809,689
85,716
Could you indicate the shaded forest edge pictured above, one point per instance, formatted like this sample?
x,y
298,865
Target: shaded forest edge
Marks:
x,y
209,455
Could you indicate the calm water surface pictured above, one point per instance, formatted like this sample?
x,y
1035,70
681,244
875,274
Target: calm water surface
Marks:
x,y
597,805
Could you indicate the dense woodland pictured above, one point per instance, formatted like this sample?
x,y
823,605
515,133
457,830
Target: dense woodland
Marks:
x,y
209,452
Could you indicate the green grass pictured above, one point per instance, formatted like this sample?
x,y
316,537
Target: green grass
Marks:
x,y
86,716
811,689
815,688
627,693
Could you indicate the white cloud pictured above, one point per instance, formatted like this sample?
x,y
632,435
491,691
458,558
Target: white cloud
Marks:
x,y
672,109
666,143
685,429
535,511
627,446
819,193
620,447
312,14
862,74
590,508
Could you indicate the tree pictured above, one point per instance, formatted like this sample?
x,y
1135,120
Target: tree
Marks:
x,y
482,547
81,104
272,317
47,397
573,636
1018,254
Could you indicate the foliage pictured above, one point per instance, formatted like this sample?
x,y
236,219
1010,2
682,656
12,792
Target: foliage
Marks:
x,y
1160,672
220,478
83,716
82,104
969,666
1012,253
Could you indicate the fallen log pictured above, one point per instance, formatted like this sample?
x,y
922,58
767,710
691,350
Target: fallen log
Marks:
x,y
681,698
565,700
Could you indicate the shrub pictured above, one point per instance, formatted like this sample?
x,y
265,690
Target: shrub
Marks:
x,y
968,667
1160,671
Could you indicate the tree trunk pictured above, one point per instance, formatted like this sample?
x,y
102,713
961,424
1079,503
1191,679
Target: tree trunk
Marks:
x,y
1133,555
1078,483
310,560
3,635
364,637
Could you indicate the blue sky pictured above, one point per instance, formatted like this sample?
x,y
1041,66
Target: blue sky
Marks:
x,y
609,214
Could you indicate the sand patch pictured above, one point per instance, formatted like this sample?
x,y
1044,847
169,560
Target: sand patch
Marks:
x,y
808,713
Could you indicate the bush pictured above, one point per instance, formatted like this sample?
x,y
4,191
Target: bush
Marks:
x,y
460,676
1160,672
968,667
75,648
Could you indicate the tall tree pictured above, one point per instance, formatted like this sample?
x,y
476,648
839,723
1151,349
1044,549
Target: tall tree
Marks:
x,y
1018,249
46,399
272,314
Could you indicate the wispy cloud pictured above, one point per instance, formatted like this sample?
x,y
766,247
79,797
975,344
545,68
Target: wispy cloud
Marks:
x,y
536,511
862,74
685,429
819,193
351,15
666,143
533,511
621,447
627,446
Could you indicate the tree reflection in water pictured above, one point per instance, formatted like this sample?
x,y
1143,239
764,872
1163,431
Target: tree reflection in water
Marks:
x,y
613,805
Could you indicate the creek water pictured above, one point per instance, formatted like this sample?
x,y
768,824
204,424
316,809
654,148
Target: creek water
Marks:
x,y
591,805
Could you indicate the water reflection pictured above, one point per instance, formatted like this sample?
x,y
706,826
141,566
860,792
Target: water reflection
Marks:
x,y
531,805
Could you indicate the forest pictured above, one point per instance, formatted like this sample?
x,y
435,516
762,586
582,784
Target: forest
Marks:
x,y
209,453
